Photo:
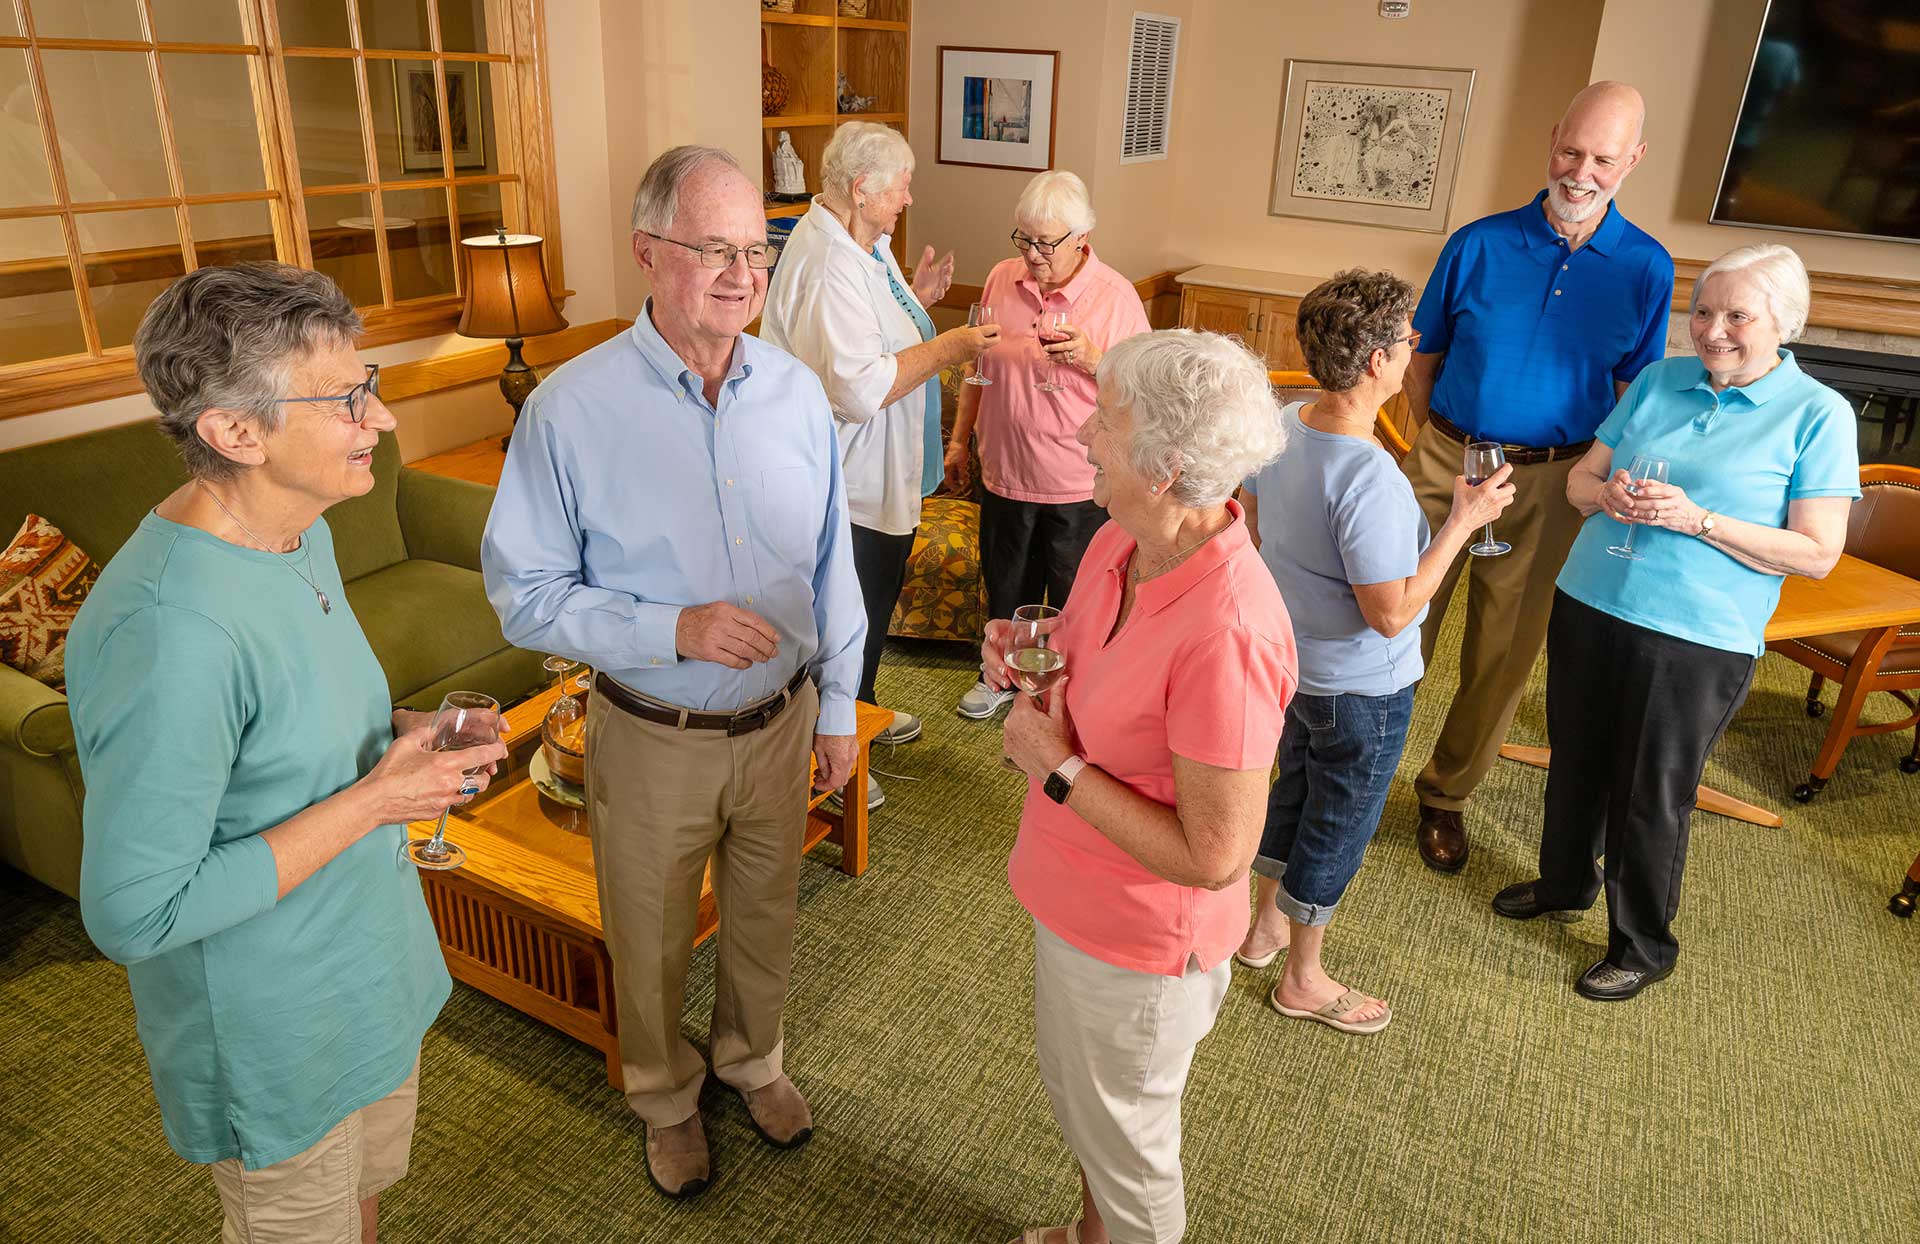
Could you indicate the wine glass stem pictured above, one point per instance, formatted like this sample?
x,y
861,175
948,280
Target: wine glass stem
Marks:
x,y
1487,537
1629,542
437,844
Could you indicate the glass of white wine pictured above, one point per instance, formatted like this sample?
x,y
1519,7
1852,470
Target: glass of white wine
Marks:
x,y
979,314
1646,469
1033,663
464,719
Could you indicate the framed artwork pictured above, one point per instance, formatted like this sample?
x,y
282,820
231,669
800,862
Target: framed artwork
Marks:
x,y
997,107
419,116
1370,144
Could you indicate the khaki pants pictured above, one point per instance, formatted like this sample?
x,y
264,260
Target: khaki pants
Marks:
x,y
661,801
314,1196
1509,600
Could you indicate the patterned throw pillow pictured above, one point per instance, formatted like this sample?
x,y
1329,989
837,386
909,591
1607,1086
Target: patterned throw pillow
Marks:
x,y
44,578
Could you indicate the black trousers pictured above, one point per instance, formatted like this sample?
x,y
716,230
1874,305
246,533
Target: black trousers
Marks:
x,y
1631,715
1031,547
880,561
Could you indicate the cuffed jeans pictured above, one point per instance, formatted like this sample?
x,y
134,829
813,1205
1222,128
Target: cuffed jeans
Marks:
x,y
1338,755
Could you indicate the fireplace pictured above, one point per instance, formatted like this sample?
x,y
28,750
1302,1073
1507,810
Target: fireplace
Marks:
x,y
1884,390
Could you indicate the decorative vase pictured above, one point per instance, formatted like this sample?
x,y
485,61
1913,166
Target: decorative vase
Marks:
x,y
774,91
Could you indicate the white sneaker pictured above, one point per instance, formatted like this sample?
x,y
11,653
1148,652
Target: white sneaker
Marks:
x,y
875,797
905,729
983,701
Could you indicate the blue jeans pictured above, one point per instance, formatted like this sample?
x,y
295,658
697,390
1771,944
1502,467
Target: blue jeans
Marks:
x,y
1338,754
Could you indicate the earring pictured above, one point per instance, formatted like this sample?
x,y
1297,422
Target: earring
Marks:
x,y
1153,490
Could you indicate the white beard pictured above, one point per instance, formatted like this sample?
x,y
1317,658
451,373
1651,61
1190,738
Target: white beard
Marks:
x,y
1576,213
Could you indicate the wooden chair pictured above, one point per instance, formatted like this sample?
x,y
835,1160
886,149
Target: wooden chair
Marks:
x,y
1298,385
1883,528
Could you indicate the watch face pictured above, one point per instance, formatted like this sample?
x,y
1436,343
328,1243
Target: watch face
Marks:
x,y
1057,788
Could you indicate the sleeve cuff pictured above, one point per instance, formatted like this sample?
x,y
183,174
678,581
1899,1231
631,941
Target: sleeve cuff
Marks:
x,y
837,716
654,631
256,858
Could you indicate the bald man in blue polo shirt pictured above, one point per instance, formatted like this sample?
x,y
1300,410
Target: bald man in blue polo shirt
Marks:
x,y
1532,325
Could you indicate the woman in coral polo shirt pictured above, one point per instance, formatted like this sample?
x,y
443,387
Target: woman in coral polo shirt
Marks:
x,y
1148,769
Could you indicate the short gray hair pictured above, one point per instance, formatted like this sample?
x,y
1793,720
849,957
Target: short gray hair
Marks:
x,y
1200,404
1057,198
227,338
1343,320
863,149
1782,279
657,200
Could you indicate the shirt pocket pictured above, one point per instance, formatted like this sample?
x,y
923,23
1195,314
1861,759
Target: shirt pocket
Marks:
x,y
789,518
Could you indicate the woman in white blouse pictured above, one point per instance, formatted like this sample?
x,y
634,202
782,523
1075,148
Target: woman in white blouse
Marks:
x,y
839,302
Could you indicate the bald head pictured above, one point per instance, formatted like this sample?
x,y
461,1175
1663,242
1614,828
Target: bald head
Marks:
x,y
1593,148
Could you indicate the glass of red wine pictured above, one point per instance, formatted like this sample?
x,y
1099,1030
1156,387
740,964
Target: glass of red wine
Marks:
x,y
1053,329
1483,459
1033,663
464,719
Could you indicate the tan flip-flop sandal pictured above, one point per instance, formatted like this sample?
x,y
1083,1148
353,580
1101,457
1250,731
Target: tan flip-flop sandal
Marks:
x,y
1332,1013
1038,1235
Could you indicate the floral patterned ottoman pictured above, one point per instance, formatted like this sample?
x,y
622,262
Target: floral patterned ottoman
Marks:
x,y
944,596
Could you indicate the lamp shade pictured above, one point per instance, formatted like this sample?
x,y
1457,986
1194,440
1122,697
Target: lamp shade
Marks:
x,y
506,284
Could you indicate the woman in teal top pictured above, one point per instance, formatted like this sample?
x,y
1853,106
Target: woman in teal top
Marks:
x,y
1649,657
247,782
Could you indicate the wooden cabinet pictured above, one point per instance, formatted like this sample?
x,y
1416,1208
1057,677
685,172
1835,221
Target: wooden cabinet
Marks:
x,y
1264,322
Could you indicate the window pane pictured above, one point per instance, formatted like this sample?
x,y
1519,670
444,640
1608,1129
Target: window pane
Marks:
x,y
23,160
213,127
326,121
418,243
463,26
406,119
314,23
341,227
472,92
86,19
8,26
39,316
130,257
229,233
487,207
198,21
397,24
109,135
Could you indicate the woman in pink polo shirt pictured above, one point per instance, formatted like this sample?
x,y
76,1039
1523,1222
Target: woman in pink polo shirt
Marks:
x,y
1037,510
1148,769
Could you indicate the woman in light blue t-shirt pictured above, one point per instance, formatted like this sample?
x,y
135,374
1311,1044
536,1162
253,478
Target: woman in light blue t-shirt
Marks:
x,y
1649,656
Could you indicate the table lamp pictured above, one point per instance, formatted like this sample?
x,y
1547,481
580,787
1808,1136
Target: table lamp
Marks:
x,y
507,296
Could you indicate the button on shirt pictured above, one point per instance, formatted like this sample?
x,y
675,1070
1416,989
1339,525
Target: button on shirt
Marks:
x,y
1027,446
1203,668
1536,336
627,498
1747,453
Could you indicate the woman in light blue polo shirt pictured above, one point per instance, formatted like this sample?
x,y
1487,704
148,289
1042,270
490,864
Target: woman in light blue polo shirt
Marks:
x,y
1648,658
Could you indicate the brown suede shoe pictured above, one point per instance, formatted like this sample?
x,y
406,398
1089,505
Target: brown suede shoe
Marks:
x,y
779,1114
1443,839
677,1161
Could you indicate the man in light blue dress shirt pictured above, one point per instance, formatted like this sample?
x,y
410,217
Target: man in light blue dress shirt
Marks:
x,y
672,513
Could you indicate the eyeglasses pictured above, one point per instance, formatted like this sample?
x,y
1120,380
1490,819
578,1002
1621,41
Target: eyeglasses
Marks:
x,y
1022,242
355,398
1412,339
761,255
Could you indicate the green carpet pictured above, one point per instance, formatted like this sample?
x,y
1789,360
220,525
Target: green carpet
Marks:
x,y
1764,1093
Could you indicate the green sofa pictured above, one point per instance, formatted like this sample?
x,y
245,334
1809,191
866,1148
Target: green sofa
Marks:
x,y
409,552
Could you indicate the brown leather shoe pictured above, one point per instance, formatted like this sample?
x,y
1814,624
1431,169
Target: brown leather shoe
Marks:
x,y
1443,839
779,1114
677,1161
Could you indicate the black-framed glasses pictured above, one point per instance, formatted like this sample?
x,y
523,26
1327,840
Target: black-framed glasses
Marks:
x,y
355,398
761,255
1039,245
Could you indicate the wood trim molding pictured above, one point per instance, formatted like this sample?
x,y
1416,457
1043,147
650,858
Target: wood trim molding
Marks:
x,y
960,297
399,381
1862,304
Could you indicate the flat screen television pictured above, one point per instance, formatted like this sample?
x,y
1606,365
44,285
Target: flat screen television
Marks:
x,y
1828,137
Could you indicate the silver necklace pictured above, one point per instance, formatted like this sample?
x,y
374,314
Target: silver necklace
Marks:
x,y
1138,577
326,606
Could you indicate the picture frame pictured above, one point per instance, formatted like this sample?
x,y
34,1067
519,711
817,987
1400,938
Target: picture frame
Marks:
x,y
997,107
417,116
1370,144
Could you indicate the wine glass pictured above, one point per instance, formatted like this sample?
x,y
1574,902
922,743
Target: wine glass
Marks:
x,y
1483,459
1053,328
1645,469
979,314
1033,665
464,719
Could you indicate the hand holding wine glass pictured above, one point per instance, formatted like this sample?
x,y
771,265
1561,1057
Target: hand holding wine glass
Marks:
x,y
467,722
1645,469
411,782
1055,328
980,316
1483,460
1028,657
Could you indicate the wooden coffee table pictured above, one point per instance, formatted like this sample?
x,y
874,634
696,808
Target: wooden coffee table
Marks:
x,y
521,919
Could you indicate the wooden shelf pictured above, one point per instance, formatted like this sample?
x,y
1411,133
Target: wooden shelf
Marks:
x,y
796,121
871,23
776,210
880,118
802,19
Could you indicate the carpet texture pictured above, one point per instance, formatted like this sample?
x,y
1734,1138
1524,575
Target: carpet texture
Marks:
x,y
1764,1092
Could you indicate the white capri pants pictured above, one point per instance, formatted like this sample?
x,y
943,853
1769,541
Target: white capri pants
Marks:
x,y
1115,1046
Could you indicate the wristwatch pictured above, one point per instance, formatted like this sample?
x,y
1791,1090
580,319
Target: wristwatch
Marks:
x,y
1706,526
1059,783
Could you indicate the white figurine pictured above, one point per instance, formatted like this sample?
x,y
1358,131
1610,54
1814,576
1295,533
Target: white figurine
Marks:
x,y
789,174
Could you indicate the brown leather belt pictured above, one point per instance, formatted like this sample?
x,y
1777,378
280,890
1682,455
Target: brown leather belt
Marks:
x,y
1519,455
746,721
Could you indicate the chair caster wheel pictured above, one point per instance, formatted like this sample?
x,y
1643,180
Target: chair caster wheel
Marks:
x,y
1816,709
1902,904
1808,789
1910,764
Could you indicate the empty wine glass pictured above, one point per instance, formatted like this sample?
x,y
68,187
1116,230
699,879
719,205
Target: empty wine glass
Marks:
x,y
464,719
1484,458
979,314
1645,469
1053,328
1032,663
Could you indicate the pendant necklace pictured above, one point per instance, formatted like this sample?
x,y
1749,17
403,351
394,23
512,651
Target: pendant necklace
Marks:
x,y
326,606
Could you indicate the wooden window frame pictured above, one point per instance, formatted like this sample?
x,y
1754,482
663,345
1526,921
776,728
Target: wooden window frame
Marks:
x,y
522,118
